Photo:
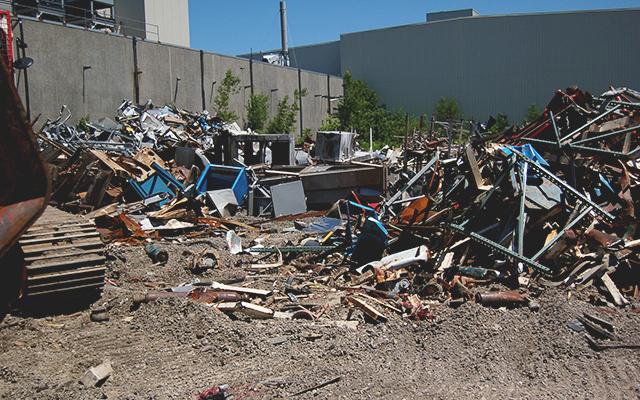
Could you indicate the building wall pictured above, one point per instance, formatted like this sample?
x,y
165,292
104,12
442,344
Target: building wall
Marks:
x,y
56,77
60,53
172,18
130,18
444,15
496,64
323,58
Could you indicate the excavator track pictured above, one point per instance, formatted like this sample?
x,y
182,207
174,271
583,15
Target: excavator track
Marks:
x,y
63,257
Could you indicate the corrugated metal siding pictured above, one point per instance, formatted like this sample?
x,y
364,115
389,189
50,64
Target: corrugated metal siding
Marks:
x,y
496,64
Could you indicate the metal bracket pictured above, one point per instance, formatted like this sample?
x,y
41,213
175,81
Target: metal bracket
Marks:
x,y
500,249
569,190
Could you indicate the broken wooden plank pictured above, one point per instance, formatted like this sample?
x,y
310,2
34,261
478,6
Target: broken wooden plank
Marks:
x,y
379,302
618,298
240,289
250,309
367,309
475,170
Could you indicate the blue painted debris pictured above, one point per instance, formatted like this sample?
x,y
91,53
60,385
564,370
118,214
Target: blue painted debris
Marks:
x,y
216,177
161,182
529,151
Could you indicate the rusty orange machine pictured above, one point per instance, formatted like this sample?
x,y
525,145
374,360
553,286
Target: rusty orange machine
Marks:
x,y
45,253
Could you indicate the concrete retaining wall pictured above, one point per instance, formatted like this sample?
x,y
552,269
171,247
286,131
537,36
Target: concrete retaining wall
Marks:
x,y
61,53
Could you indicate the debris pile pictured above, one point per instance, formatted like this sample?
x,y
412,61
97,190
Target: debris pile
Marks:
x,y
495,220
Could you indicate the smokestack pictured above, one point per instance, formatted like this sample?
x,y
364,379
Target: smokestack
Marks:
x,y
283,32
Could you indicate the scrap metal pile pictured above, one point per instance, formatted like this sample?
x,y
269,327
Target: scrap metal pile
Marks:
x,y
495,220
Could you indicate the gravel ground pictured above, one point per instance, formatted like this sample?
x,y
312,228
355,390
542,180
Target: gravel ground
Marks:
x,y
174,348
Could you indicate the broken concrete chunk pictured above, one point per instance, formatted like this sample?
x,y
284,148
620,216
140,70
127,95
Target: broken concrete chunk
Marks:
x,y
97,376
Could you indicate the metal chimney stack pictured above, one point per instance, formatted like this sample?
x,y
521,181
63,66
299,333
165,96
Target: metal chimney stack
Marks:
x,y
283,33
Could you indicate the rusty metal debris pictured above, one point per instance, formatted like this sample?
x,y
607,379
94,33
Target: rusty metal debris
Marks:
x,y
458,214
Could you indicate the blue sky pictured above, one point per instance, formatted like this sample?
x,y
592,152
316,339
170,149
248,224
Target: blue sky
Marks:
x,y
235,26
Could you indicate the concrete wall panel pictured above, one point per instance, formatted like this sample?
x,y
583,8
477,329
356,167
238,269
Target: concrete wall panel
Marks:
x,y
61,52
56,77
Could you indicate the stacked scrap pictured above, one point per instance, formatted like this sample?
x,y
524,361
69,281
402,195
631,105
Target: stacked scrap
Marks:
x,y
495,220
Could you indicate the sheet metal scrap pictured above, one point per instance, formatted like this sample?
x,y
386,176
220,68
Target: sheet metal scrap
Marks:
x,y
458,214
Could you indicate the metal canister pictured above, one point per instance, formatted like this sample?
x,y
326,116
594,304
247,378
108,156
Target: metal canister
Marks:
x,y
156,254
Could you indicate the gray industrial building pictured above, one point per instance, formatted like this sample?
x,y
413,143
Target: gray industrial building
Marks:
x,y
165,21
489,64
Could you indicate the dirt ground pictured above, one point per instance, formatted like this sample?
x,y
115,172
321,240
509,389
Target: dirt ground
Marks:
x,y
175,348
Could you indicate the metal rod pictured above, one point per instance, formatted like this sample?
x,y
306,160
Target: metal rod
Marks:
x,y
522,215
603,152
501,249
555,128
300,99
136,71
411,182
606,135
598,118
175,95
560,234
569,189
328,94
405,155
251,71
202,93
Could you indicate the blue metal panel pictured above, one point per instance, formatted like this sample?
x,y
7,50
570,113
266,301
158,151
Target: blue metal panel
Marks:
x,y
215,177
160,182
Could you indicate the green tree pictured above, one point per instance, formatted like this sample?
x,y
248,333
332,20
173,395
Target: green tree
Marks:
x,y
359,110
83,124
533,113
306,136
230,86
285,118
257,112
447,109
502,122
331,123
359,106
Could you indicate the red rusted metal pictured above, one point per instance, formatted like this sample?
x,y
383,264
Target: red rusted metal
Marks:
x,y
24,185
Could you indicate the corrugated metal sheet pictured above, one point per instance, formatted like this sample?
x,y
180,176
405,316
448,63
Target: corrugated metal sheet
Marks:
x,y
496,64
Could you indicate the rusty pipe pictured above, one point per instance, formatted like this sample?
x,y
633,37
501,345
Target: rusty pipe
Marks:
x,y
500,299
140,298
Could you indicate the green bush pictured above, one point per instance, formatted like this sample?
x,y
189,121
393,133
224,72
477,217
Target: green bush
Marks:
x,y
533,113
285,118
502,122
331,123
257,112
230,86
447,109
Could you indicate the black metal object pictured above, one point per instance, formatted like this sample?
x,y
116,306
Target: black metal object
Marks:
x,y
202,94
85,68
328,94
22,46
175,95
136,71
300,100
500,248
251,72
